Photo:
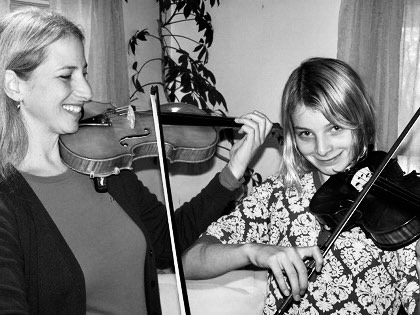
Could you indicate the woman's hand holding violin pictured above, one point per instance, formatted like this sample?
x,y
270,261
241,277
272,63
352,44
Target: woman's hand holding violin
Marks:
x,y
256,127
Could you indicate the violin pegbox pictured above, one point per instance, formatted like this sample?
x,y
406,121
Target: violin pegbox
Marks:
x,y
360,178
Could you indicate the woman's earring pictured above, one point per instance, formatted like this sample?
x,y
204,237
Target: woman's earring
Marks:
x,y
19,104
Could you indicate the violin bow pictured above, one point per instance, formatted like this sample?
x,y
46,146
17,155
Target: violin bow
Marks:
x,y
340,228
179,273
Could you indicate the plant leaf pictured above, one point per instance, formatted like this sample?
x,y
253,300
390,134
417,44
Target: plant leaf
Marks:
x,y
187,98
202,52
220,99
141,35
138,86
187,11
132,44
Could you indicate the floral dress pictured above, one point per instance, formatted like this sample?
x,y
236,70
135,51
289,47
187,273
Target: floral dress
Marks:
x,y
357,276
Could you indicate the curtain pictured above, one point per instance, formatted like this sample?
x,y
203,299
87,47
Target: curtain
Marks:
x,y
103,26
380,40
369,36
410,83
4,7
79,12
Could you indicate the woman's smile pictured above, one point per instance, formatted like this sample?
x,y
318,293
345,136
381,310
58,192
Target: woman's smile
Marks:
x,y
57,89
73,108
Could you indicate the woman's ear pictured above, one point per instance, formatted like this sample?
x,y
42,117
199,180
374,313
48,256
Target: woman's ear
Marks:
x,y
13,86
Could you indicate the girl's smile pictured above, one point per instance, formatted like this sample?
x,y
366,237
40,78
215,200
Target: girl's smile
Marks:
x,y
328,147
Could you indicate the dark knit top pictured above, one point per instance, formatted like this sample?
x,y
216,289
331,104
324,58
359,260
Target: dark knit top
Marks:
x,y
40,275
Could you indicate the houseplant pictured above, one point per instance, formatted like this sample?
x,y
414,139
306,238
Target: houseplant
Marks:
x,y
184,75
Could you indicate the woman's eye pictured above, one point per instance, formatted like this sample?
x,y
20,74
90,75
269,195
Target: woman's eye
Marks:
x,y
66,77
337,128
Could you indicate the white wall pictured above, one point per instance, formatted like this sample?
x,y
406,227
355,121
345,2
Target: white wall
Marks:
x,y
258,43
256,46
138,15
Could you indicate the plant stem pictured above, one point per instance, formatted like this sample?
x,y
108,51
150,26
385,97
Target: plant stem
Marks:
x,y
162,45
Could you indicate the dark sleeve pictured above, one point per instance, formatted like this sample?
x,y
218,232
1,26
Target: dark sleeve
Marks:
x,y
193,217
12,284
190,220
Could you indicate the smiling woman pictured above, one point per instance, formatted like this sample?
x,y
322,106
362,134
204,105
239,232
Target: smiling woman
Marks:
x,y
52,97
64,248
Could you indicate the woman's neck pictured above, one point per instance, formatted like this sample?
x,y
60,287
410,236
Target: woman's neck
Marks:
x,y
43,159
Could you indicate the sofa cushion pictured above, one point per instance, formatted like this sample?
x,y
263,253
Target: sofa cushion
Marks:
x,y
237,292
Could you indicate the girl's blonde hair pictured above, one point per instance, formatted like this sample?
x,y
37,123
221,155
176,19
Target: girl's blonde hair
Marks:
x,y
25,36
335,89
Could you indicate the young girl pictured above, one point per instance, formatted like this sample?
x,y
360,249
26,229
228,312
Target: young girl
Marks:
x,y
329,125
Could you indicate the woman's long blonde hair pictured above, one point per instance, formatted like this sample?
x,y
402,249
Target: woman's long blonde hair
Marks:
x,y
25,36
335,89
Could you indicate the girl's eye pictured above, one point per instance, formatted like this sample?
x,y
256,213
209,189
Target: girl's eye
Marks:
x,y
304,134
337,128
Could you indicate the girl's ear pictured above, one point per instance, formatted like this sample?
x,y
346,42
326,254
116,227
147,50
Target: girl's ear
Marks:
x,y
13,86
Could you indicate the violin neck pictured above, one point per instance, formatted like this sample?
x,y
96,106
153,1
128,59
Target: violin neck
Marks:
x,y
203,120
197,120
180,119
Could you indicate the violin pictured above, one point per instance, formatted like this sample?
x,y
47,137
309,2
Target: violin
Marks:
x,y
109,142
388,213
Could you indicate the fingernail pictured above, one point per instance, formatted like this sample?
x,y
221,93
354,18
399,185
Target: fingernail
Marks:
x,y
297,297
286,292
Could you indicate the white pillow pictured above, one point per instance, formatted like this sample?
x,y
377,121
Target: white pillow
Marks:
x,y
239,292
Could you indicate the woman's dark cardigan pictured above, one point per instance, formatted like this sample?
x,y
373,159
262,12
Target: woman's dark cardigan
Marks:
x,y
40,275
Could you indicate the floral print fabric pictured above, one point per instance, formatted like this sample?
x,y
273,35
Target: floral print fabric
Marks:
x,y
357,276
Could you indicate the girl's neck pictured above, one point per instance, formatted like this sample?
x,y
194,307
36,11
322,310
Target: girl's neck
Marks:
x,y
322,177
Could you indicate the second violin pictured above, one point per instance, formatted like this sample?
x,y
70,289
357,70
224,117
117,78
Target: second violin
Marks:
x,y
388,213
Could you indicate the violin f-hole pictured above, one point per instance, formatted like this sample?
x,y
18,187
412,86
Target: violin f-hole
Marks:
x,y
145,134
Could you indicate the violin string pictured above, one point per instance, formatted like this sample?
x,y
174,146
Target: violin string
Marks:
x,y
187,118
117,112
122,109
397,191
401,192
392,188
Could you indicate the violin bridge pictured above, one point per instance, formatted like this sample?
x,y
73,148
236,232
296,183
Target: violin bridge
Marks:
x,y
361,177
131,117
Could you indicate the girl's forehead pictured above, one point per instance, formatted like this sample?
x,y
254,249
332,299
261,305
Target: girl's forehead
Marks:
x,y
311,119
327,113
305,111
